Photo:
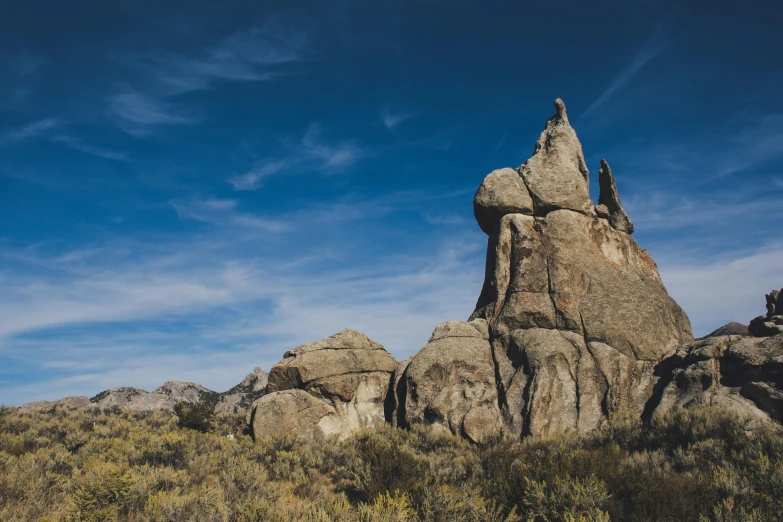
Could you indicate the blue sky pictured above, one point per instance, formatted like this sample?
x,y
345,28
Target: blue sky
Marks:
x,y
189,190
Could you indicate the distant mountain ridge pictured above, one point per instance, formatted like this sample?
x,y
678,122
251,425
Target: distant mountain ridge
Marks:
x,y
238,398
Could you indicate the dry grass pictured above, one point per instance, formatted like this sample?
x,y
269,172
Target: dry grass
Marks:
x,y
118,465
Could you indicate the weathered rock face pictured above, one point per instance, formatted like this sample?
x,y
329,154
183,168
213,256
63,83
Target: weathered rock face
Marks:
x,y
450,383
79,401
132,398
610,199
577,314
552,380
572,272
502,192
771,323
744,374
241,396
348,372
178,391
556,175
293,411
165,396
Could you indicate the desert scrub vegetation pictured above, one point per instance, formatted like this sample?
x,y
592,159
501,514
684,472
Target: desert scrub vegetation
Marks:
x,y
91,465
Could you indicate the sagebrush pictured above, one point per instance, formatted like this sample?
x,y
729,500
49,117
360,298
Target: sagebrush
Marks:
x,y
91,465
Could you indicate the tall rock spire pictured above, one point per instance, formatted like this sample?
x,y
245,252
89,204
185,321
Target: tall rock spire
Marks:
x,y
610,199
577,314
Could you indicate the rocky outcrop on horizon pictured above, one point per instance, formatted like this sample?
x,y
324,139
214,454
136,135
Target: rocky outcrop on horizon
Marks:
x,y
240,397
244,394
743,373
772,322
75,401
729,329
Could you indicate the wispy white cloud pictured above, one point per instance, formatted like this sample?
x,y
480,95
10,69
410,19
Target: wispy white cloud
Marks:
x,y
392,117
241,309
740,145
31,130
46,128
331,157
721,289
138,113
252,179
501,142
312,153
253,55
81,146
651,49
669,210
751,145
223,212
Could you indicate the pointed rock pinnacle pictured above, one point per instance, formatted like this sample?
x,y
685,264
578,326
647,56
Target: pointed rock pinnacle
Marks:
x,y
610,199
561,109
556,174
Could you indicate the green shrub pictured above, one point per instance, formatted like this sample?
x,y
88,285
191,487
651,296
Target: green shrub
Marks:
x,y
199,417
695,465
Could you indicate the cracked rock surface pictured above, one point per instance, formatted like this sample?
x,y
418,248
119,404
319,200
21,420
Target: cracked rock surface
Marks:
x,y
741,373
450,383
348,373
576,313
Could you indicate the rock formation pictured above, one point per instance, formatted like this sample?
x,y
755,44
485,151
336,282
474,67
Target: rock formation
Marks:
x,y
741,373
609,206
293,411
450,383
572,324
80,401
165,396
240,397
342,380
576,311
556,176
771,323
729,329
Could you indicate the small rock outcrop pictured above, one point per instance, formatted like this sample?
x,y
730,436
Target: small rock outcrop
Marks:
x,y
241,396
165,396
741,373
772,322
450,383
729,329
238,398
348,373
79,401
